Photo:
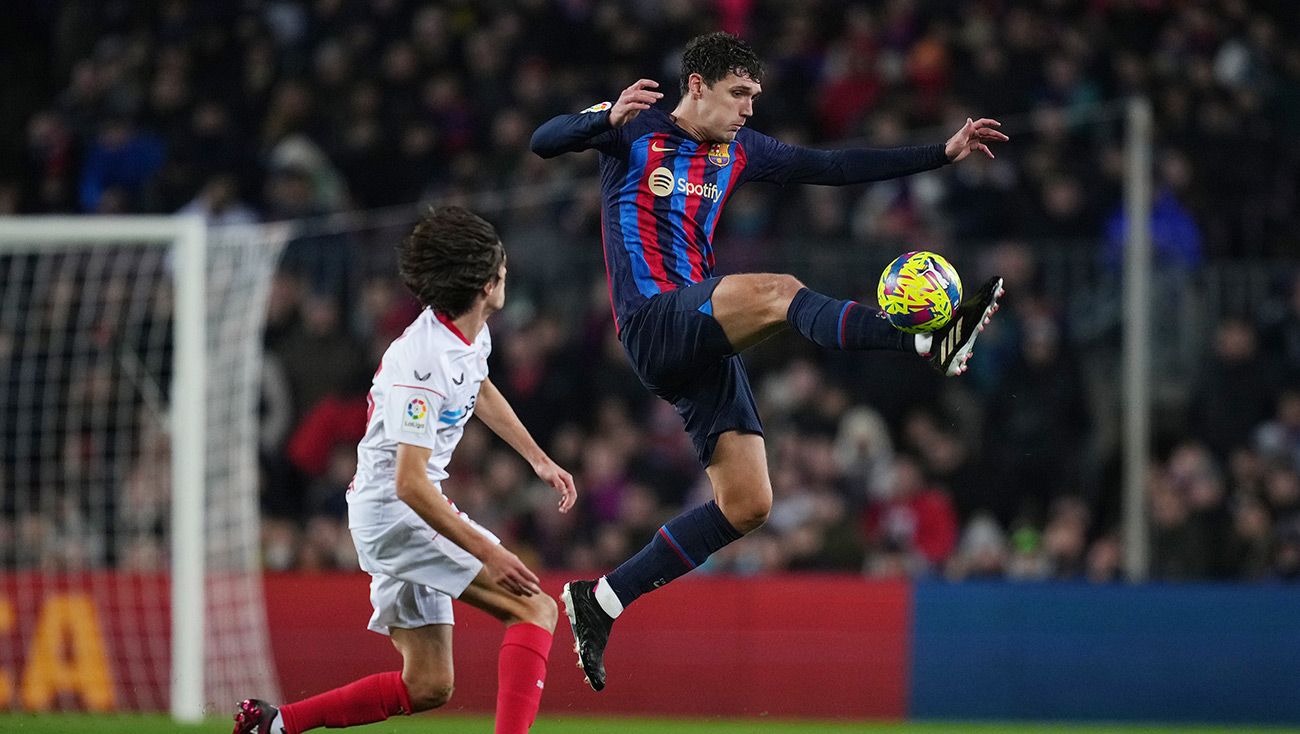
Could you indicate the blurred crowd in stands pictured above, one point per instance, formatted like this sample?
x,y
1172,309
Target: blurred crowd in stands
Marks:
x,y
285,109
878,464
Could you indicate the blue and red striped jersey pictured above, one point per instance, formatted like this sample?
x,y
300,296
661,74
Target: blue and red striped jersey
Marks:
x,y
663,192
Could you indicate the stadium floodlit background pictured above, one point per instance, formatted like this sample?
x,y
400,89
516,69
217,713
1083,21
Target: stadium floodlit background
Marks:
x,y
339,116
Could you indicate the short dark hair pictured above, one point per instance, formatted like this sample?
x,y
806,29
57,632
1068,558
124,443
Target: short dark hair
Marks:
x,y
448,257
715,55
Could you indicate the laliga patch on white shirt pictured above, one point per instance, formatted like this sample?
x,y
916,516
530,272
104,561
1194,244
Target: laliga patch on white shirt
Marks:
x,y
415,418
598,107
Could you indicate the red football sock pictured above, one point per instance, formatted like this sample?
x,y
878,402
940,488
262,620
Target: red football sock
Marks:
x,y
521,672
373,698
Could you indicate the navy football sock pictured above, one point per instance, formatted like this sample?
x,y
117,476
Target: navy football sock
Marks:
x,y
679,546
843,324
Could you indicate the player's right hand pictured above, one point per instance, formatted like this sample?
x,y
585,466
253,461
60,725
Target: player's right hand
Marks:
x,y
634,99
510,573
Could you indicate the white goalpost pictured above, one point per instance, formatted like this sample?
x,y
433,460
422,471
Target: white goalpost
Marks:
x,y
128,476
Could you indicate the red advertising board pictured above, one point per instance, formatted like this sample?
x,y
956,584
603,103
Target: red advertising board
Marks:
x,y
92,641
703,646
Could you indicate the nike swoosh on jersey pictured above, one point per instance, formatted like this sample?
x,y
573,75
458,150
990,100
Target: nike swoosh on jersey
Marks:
x,y
659,148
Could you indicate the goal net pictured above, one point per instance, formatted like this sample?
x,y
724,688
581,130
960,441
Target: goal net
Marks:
x,y
130,353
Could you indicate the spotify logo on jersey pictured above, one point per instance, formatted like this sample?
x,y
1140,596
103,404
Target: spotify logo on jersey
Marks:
x,y
661,181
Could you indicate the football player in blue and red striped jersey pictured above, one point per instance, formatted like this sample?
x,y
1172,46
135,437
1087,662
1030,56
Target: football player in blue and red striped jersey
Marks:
x,y
664,180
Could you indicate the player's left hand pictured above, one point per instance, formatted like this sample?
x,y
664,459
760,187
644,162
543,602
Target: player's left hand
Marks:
x,y
974,135
560,480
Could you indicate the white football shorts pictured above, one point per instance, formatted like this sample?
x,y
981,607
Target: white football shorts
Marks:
x,y
414,572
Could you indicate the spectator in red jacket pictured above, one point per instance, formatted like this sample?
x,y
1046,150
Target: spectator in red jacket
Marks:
x,y
916,519
337,418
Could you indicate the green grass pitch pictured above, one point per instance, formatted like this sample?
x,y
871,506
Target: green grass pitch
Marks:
x,y
433,724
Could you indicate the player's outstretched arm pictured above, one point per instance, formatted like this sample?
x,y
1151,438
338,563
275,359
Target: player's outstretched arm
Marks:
x,y
494,410
771,160
415,489
582,131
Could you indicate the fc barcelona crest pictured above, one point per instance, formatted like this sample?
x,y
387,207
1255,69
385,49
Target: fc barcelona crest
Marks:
x,y
720,154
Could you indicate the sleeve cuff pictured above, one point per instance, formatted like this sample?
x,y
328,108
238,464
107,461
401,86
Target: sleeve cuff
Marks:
x,y
940,157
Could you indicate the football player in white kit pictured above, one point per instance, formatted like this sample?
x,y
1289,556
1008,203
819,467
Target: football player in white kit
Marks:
x,y
420,550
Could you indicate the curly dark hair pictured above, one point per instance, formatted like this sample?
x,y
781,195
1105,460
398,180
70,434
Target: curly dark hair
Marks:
x,y
715,55
448,257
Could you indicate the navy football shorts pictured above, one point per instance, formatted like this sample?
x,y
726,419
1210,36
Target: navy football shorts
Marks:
x,y
682,355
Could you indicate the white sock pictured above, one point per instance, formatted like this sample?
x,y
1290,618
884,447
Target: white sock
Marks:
x,y
923,343
608,599
277,726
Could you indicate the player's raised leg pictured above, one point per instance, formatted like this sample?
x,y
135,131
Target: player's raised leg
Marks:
x,y
751,307
521,664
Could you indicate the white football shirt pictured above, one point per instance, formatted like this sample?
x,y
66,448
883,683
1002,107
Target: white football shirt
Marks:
x,y
423,394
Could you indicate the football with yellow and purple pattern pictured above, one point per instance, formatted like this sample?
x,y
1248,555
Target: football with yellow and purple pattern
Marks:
x,y
919,291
